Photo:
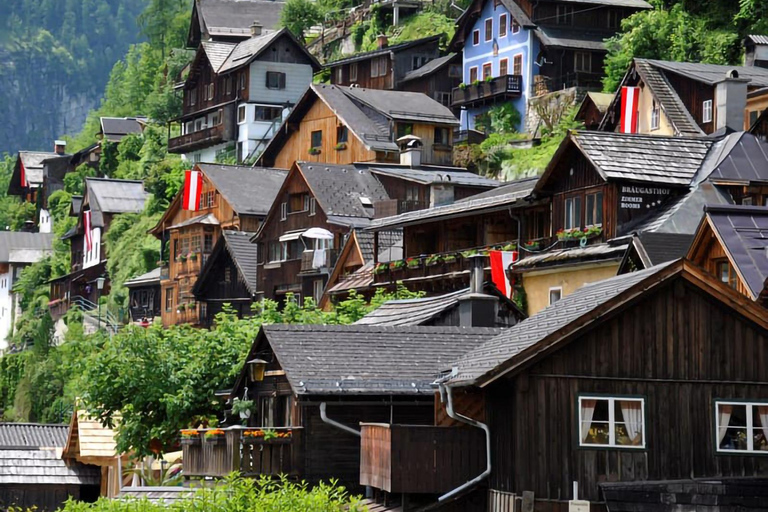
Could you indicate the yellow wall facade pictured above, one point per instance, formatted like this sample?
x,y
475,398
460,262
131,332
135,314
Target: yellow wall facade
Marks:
x,y
645,109
756,104
570,279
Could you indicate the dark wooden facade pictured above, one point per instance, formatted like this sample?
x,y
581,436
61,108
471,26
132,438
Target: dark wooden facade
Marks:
x,y
439,84
44,498
222,284
144,302
693,95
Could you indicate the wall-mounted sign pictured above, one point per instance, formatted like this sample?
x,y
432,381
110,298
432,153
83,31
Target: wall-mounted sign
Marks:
x,y
642,198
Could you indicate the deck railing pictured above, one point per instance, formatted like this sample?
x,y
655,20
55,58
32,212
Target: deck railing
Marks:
x,y
196,140
496,88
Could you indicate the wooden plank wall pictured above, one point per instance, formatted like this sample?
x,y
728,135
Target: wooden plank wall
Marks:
x,y
679,350
694,94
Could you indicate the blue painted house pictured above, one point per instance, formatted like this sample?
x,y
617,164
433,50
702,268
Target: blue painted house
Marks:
x,y
517,49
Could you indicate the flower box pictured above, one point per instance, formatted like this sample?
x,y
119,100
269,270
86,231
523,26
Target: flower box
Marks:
x,y
267,437
191,441
215,437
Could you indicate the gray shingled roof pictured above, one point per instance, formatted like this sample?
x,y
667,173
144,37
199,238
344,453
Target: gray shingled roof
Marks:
x,y
382,51
44,467
217,52
565,38
150,278
106,195
758,39
32,435
743,230
639,4
115,129
561,257
740,158
412,311
682,214
245,256
249,49
338,189
33,164
365,242
499,198
404,106
249,190
234,17
643,158
20,247
430,67
662,247
360,359
713,73
430,175
477,363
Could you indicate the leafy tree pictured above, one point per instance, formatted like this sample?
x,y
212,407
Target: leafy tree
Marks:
x,y
299,15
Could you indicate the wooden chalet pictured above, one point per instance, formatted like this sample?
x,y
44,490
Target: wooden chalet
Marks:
x,y
33,475
318,384
104,198
27,176
89,442
356,253
626,395
385,67
115,129
342,125
229,276
437,79
690,99
230,21
593,108
144,296
731,244
234,198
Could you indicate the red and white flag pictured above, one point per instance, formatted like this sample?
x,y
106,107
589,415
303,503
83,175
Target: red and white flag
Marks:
x,y
88,231
630,96
23,174
193,187
500,262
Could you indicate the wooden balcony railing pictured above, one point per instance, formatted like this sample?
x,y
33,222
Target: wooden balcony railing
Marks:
x,y
196,140
419,459
244,450
308,260
501,87
390,207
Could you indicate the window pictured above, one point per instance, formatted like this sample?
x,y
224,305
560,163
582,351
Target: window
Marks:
x,y
515,26
193,97
283,211
207,243
726,273
555,294
243,80
342,134
227,274
241,114
614,18
746,201
475,37
582,61
298,203
488,29
706,112
340,74
503,25
312,206
503,67
655,115
210,91
612,422
286,407
169,299
353,72
446,98
275,80
487,70
263,113
454,71
215,118
742,426
229,85
267,411
473,74
278,251
564,15
317,290
441,136
595,209
374,68
379,66
517,64
404,129
417,61
317,138
572,213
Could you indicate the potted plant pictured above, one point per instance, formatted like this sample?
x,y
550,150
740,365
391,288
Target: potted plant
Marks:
x,y
183,257
463,86
192,256
181,308
215,437
509,247
449,258
340,146
397,265
468,254
314,151
178,258
190,437
593,231
532,245
242,408
380,268
435,259
413,263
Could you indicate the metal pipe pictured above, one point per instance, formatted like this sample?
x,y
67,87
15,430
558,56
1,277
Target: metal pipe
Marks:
x,y
446,392
340,426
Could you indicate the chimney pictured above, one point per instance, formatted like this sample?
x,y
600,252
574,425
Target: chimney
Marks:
x,y
477,309
410,150
256,28
60,147
382,41
731,101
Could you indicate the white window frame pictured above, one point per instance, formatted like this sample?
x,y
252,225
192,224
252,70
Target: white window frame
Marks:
x,y
514,58
283,211
555,289
312,206
612,422
486,32
505,60
353,72
244,118
339,74
503,22
586,57
655,115
706,111
477,74
750,425
482,76
514,25
476,31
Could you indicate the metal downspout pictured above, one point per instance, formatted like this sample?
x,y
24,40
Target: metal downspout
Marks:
x,y
333,423
446,395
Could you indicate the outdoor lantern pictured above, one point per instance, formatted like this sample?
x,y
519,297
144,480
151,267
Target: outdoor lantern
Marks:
x,y
256,369
100,283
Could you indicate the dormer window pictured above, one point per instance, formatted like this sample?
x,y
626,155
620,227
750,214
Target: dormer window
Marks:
x,y
706,112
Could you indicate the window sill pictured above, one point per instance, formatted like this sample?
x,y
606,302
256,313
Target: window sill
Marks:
x,y
272,264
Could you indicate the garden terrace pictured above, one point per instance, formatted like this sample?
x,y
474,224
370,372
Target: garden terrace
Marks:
x,y
250,451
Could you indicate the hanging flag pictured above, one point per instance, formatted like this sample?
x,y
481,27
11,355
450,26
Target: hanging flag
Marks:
x,y
193,188
88,232
630,96
500,262
23,174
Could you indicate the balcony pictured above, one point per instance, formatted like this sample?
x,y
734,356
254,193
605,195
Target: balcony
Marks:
x,y
499,88
244,450
308,260
197,140
419,459
390,207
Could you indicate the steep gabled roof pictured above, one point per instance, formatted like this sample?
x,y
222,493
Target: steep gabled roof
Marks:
x,y
248,190
713,73
742,231
107,195
741,159
404,105
114,129
244,255
431,67
22,247
538,335
150,278
657,248
366,360
32,435
395,48
428,175
250,49
32,161
88,440
233,18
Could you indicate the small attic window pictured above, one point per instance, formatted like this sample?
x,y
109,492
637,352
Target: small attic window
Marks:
x,y
366,201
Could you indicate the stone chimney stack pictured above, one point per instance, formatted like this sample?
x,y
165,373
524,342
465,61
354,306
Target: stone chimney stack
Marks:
x,y
382,41
477,309
60,147
410,150
256,28
731,101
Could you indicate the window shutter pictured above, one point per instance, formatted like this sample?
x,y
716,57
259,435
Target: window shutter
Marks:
x,y
282,80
